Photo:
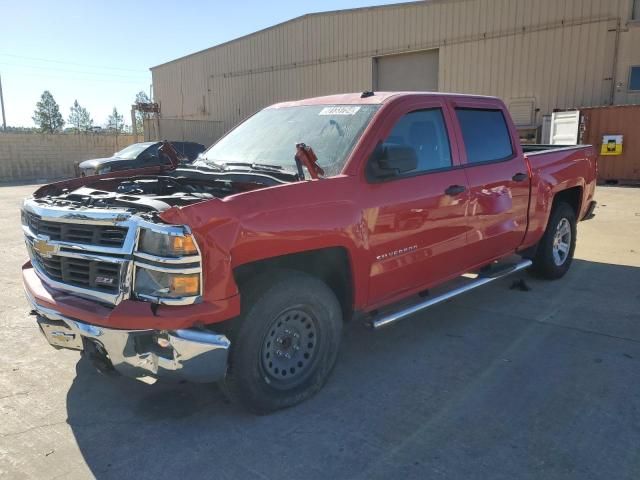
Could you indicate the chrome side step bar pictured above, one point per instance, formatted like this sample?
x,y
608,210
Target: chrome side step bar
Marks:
x,y
482,279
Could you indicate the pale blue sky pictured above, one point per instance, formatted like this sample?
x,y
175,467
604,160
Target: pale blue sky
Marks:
x,y
100,52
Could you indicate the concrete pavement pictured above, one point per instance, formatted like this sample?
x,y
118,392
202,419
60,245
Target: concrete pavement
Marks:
x,y
498,383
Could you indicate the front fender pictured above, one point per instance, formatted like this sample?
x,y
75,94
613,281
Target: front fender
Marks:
x,y
273,222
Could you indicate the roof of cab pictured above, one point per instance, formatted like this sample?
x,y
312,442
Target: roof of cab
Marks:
x,y
376,98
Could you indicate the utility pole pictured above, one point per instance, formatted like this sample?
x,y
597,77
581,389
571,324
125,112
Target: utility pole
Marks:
x,y
134,127
4,120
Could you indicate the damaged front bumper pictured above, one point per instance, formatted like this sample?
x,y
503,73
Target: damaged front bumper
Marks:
x,y
147,355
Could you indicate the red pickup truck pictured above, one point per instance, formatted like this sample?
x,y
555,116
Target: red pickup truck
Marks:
x,y
242,267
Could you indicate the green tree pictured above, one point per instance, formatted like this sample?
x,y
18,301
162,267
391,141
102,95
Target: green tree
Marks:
x,y
115,122
47,115
141,97
80,118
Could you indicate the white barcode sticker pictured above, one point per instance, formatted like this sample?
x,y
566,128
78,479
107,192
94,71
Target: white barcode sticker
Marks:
x,y
339,110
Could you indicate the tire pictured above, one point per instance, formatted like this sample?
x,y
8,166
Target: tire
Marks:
x,y
554,252
285,343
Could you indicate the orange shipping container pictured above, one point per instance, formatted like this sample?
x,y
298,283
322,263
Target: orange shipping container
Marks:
x,y
615,120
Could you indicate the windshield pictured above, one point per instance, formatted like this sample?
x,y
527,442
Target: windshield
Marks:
x,y
270,136
132,151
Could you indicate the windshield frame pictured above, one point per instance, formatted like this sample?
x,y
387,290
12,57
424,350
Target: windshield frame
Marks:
x,y
291,167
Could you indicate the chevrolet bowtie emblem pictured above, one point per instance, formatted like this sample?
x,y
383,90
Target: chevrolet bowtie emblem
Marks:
x,y
44,248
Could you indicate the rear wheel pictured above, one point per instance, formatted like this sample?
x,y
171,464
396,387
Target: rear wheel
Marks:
x,y
285,344
555,250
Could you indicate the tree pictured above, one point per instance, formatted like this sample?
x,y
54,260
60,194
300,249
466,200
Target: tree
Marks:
x,y
141,97
47,115
80,118
115,122
11,129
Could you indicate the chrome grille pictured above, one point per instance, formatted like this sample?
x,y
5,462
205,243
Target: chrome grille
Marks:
x,y
85,234
91,252
80,272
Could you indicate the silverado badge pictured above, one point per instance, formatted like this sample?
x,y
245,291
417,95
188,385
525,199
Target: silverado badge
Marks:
x,y
45,249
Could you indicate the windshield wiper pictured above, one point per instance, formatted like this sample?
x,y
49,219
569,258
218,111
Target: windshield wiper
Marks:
x,y
260,167
220,166
199,164
253,166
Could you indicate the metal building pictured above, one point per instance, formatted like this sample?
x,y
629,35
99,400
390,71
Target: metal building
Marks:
x,y
537,55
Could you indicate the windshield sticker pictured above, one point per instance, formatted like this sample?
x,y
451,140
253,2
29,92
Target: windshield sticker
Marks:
x,y
339,110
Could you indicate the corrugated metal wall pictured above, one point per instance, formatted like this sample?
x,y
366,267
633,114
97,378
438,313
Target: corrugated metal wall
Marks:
x,y
559,52
202,131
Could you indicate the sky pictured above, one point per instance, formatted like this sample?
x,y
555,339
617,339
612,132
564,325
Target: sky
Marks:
x,y
100,52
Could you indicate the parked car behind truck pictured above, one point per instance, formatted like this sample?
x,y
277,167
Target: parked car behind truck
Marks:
x,y
242,267
138,155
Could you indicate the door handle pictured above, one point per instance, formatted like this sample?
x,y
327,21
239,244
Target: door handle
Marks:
x,y
454,190
520,177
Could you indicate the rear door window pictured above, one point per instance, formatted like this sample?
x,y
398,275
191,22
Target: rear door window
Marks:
x,y
485,134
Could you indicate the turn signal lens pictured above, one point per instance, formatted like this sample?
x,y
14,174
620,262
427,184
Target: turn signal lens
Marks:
x,y
185,244
166,285
185,285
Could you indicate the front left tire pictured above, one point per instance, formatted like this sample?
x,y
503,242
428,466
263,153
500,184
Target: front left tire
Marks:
x,y
285,343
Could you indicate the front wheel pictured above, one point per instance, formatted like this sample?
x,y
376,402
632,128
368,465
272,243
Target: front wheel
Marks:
x,y
285,344
555,250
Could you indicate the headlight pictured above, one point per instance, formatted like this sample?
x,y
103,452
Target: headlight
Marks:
x,y
161,273
166,285
102,170
163,245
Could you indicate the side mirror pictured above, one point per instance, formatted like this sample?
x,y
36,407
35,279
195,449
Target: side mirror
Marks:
x,y
391,159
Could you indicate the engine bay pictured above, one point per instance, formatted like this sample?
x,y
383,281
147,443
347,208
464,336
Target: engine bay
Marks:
x,y
155,193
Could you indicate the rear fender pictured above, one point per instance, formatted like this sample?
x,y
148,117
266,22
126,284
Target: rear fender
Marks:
x,y
543,196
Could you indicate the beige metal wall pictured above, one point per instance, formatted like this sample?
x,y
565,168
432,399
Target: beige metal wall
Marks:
x,y
415,71
561,53
205,132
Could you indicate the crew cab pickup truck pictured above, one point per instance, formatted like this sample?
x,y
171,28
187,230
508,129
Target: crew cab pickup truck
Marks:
x,y
241,267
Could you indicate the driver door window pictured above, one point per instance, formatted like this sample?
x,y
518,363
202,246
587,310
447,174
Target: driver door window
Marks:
x,y
425,132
